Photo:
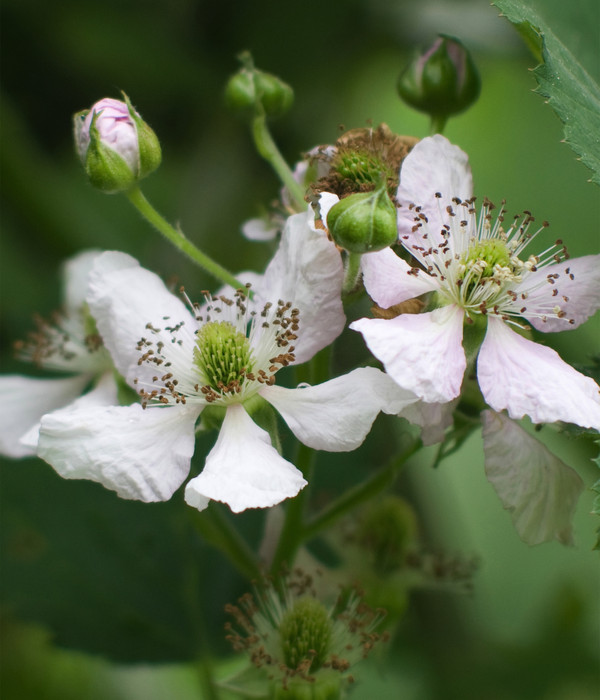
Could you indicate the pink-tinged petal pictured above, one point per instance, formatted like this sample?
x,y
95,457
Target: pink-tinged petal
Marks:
x,y
337,415
141,454
538,489
432,418
307,271
433,166
421,352
576,291
243,469
76,272
527,378
388,279
105,393
25,400
126,299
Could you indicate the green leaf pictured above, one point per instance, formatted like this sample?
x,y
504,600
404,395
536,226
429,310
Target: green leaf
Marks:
x,y
568,74
128,580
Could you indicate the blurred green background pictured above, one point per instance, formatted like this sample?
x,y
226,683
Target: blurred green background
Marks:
x,y
85,571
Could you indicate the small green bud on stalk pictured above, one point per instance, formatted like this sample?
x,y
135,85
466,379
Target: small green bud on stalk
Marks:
x,y
364,222
251,90
115,145
442,81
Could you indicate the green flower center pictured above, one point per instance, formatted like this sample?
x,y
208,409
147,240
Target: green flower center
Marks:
x,y
305,633
223,356
486,255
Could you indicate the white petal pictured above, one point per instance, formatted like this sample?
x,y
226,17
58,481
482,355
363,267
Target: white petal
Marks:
x,y
24,400
434,165
387,279
140,454
125,299
76,273
578,281
105,393
539,489
259,229
421,352
243,469
432,418
307,271
527,378
337,415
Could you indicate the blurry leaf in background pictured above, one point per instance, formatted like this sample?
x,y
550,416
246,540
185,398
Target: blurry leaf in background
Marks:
x,y
124,579
568,76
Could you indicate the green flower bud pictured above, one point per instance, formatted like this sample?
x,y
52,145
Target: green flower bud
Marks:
x,y
117,148
251,90
388,530
364,222
442,81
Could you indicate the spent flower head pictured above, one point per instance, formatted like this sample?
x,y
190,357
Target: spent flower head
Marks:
x,y
303,645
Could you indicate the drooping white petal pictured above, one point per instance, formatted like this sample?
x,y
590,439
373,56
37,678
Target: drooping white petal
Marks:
x,y
387,279
105,393
259,229
539,490
337,415
433,166
243,469
76,273
432,418
421,352
576,291
307,271
141,454
527,378
126,299
24,400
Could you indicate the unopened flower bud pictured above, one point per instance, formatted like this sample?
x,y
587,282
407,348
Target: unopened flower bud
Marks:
x,y
364,222
251,90
442,81
115,145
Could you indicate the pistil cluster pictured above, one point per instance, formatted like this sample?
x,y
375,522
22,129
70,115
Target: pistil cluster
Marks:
x,y
477,263
236,348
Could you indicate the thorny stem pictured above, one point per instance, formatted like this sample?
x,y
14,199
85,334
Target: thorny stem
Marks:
x,y
178,239
268,150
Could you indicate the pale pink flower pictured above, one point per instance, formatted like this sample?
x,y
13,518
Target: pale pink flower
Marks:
x,y
478,274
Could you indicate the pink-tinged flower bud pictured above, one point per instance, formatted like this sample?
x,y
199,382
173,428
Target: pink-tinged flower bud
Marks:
x,y
442,81
115,145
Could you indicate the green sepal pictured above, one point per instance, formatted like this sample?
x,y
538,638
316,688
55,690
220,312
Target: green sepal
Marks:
x,y
364,222
150,154
106,169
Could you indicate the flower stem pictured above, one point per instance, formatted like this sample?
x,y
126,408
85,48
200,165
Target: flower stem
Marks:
x,y
178,239
216,529
351,273
359,494
268,150
438,124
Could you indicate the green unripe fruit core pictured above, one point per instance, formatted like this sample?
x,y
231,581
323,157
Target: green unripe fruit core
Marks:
x,y
305,633
222,354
